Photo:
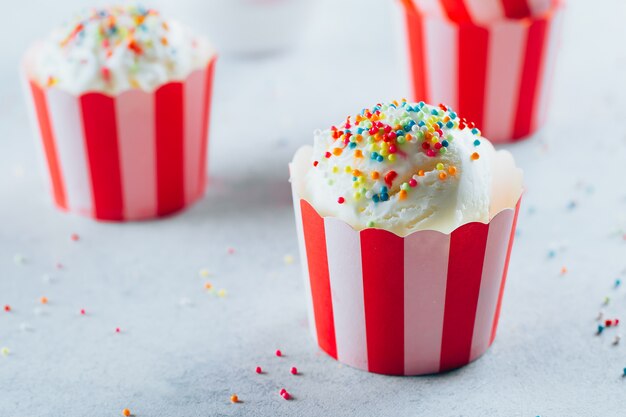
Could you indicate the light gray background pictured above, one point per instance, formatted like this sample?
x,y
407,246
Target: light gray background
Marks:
x,y
183,352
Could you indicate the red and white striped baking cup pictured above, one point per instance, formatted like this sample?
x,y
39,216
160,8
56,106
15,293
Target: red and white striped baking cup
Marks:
x,y
421,304
484,11
497,74
132,156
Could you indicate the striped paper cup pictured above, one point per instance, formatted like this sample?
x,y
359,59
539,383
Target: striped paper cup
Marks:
x,y
131,156
425,303
495,74
484,11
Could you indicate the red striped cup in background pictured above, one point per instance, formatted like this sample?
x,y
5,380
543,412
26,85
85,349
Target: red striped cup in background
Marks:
x,y
131,156
496,73
425,303
483,11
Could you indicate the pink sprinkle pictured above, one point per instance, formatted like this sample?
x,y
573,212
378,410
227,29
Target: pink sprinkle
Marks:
x,y
230,251
59,265
285,395
282,391
117,330
258,370
294,370
74,237
82,311
279,353
412,182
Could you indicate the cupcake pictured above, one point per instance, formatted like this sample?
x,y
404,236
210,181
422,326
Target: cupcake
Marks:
x,y
120,97
406,217
492,61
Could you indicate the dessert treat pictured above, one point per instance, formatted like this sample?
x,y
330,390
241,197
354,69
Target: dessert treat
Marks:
x,y
121,100
493,69
406,216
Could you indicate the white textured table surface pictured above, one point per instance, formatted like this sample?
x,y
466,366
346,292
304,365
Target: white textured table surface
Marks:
x,y
182,351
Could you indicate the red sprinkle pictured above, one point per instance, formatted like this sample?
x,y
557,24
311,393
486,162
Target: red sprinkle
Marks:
x,y
106,74
117,330
285,394
389,177
294,370
74,237
7,308
340,200
328,154
412,182
315,163
279,353
258,370
82,311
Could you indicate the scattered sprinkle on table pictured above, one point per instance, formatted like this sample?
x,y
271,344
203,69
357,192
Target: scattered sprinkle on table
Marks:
x,y
126,412
234,398
278,353
204,273
288,259
43,300
258,370
294,370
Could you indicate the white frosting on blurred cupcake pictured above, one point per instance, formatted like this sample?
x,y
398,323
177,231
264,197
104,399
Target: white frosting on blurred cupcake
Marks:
x,y
117,48
405,167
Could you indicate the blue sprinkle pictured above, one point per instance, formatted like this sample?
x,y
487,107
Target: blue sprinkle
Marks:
x,y
474,131
450,125
421,104
440,124
399,132
551,253
407,127
452,115
434,112
444,143
352,145
375,198
600,328
374,155
476,142
384,190
384,196
380,158
360,130
354,178
618,282
421,123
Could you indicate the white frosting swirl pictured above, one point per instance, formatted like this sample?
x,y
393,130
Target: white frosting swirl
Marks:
x,y
388,170
117,48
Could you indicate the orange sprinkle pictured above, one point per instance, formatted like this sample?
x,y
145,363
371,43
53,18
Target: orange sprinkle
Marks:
x,y
563,271
44,300
164,41
428,135
475,156
337,151
408,137
452,170
358,118
208,286
126,412
443,176
356,173
446,119
420,173
375,175
234,398
358,138
402,194
358,153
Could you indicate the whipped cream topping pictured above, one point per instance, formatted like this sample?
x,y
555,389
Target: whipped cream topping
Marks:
x,y
405,167
117,48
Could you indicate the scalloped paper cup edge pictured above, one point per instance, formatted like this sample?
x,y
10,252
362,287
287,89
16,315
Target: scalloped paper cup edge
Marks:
x,y
421,304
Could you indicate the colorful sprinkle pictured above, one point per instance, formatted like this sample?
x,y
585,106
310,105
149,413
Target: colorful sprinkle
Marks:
x,y
293,370
234,398
278,353
126,412
258,370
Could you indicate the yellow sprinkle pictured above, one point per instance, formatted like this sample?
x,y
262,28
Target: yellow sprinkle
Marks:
x,y
392,157
439,166
5,351
348,169
335,169
288,259
221,293
204,273
357,195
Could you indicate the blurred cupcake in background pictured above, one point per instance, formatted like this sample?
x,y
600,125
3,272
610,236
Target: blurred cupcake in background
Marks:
x,y
121,99
492,60
244,27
